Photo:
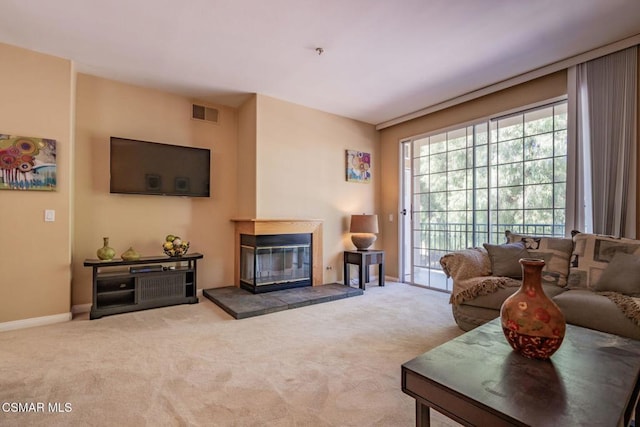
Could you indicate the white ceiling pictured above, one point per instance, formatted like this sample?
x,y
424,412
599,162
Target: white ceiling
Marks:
x,y
382,58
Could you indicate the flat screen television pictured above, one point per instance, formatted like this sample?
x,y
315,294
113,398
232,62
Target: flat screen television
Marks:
x,y
142,167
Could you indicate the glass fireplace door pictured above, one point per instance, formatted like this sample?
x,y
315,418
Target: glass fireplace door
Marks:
x,y
267,266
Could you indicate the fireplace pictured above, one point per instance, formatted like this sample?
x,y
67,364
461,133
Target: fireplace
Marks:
x,y
275,262
273,254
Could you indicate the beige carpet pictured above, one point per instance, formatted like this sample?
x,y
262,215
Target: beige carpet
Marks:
x,y
331,364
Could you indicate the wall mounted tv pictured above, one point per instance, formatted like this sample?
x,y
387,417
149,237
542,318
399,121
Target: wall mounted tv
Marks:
x,y
141,167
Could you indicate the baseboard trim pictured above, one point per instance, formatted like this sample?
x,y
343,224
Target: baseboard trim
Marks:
x,y
81,308
35,321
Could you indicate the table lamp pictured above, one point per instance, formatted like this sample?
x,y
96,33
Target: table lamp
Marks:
x,y
364,229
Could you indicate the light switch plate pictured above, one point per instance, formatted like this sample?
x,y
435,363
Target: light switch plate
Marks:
x,y
49,215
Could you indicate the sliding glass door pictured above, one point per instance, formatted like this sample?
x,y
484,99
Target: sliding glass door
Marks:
x,y
467,185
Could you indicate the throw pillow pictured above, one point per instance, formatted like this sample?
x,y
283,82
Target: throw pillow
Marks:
x,y
504,259
555,251
592,253
622,275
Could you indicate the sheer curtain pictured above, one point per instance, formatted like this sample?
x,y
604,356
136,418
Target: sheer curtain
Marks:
x,y
601,193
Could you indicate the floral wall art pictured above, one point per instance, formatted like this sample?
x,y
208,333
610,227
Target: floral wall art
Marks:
x,y
358,166
27,163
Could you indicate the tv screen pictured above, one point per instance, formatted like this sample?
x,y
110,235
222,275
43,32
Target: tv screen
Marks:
x,y
141,167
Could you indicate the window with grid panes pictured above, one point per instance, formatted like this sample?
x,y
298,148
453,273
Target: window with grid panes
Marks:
x,y
472,183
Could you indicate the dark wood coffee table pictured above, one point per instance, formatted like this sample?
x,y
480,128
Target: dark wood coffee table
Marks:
x,y
476,379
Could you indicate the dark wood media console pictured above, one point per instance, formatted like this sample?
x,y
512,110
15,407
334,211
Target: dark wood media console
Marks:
x,y
117,288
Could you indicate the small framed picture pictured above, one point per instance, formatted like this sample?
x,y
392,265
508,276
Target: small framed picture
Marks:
x,y
358,166
27,163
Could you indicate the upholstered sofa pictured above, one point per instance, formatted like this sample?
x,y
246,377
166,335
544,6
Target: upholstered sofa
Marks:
x,y
594,279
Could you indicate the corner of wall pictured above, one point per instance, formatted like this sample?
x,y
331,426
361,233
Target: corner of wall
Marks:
x,y
247,159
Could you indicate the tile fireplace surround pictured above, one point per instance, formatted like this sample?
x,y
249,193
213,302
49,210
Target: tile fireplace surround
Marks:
x,y
262,227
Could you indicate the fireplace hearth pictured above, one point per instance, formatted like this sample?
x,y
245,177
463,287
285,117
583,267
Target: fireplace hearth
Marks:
x,y
275,262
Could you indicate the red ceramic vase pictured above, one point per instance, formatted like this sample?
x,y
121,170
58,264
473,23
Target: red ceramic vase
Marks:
x,y
532,323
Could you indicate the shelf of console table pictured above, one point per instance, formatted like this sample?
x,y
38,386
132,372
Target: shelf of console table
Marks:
x,y
119,289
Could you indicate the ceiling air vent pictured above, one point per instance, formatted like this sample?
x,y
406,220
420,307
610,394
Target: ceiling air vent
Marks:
x,y
205,113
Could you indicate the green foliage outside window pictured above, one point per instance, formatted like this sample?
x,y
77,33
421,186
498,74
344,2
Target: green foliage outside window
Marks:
x,y
473,183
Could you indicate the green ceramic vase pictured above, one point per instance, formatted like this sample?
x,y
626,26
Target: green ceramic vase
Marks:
x,y
106,253
130,255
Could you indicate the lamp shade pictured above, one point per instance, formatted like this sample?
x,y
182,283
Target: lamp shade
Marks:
x,y
363,230
364,224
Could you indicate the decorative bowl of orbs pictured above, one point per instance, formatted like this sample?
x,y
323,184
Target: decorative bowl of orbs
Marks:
x,y
174,246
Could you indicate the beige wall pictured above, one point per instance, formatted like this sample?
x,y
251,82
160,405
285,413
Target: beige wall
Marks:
x,y
37,101
270,159
106,108
528,93
301,172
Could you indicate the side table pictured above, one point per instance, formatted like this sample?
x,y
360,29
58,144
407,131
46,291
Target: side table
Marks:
x,y
363,259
